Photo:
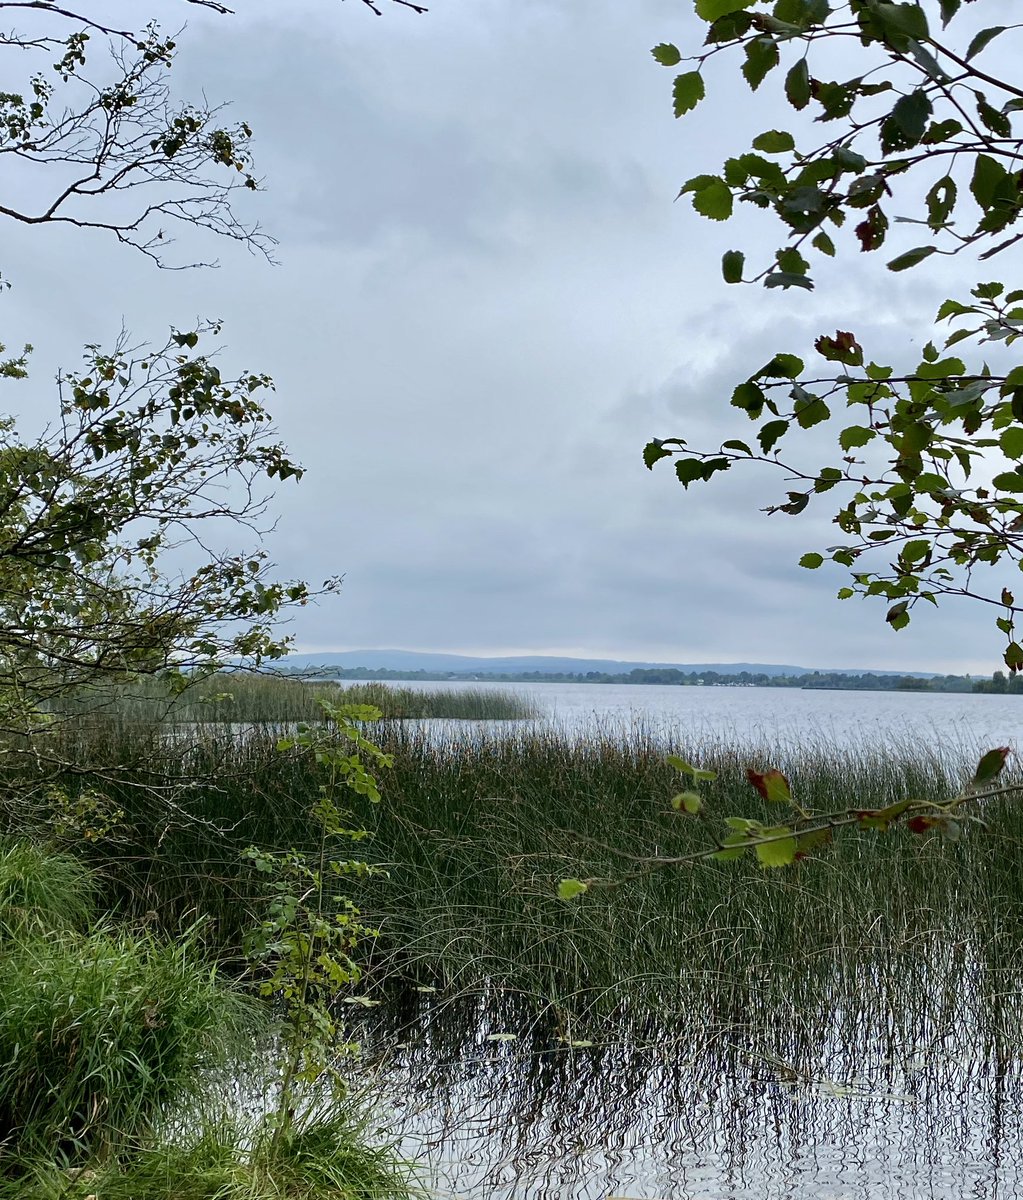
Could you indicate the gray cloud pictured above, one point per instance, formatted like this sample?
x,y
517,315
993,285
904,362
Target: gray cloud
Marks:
x,y
487,302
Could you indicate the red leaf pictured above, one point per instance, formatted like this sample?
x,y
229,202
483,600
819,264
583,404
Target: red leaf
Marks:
x,y
921,824
772,785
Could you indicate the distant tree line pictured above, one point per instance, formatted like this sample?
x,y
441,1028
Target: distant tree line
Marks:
x,y
820,680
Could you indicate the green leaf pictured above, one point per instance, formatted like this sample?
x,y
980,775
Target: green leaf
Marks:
x,y
653,452
667,54
991,765
911,113
1011,442
983,39
687,92
787,279
989,180
797,85
714,201
711,10
907,19
898,615
809,409
775,141
855,436
812,561
761,57
1009,481
994,120
750,398
949,8
824,244
568,889
770,434
732,264
782,366
688,802
697,773
916,550
941,199
779,853
911,258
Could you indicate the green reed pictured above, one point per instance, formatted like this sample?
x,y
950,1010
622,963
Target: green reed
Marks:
x,y
248,697
476,830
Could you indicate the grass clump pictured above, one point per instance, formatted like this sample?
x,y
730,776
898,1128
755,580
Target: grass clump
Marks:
x,y
325,1158
100,1033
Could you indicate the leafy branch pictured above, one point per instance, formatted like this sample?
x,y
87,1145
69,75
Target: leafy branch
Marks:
x,y
804,831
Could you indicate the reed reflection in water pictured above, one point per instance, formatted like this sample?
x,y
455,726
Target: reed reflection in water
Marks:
x,y
766,1110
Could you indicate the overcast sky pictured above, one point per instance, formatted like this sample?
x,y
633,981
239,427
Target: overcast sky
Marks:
x,y
486,303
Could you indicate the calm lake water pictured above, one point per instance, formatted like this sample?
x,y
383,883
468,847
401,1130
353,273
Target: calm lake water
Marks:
x,y
780,717
927,1104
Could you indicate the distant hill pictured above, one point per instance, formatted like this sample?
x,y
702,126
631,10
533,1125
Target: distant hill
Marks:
x,y
462,664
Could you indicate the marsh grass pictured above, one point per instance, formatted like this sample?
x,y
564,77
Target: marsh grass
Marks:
x,y
475,831
263,698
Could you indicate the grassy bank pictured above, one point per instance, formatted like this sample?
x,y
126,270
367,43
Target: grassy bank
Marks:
x,y
119,1053
475,834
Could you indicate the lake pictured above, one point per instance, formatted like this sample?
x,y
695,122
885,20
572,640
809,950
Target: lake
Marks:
x,y
777,717
911,1091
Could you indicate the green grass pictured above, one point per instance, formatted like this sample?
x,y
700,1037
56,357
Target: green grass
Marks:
x,y
326,1158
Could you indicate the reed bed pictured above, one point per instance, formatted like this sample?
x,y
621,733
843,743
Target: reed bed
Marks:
x,y
474,833
252,697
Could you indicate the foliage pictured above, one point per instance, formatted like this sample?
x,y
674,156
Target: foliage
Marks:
x,y
303,947
929,461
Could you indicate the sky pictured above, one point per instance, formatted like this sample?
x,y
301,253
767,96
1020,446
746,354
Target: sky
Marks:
x,y
486,301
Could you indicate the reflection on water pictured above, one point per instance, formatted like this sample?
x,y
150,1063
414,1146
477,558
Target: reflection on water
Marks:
x,y
762,1111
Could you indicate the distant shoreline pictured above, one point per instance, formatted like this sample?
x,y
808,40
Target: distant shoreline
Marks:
x,y
810,681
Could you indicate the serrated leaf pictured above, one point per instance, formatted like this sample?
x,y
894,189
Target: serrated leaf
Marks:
x,y
941,199
667,54
712,10
771,433
782,366
761,57
653,452
686,768
812,561
778,853
824,244
911,113
569,889
714,201
1011,442
732,264
984,38
687,91
855,436
775,141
